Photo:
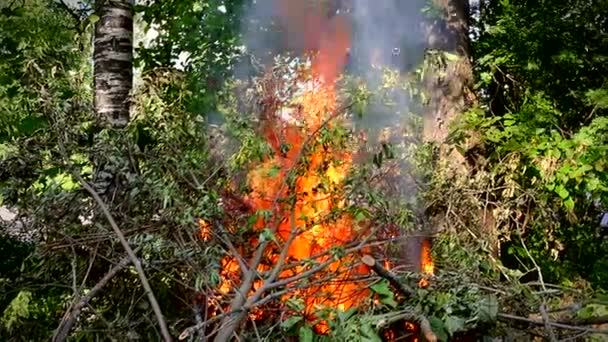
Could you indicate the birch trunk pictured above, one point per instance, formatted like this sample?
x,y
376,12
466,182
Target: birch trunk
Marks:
x,y
113,61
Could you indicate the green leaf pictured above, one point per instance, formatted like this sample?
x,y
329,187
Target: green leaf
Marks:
x,y
197,7
488,309
569,203
305,334
290,322
296,304
438,328
369,333
451,57
360,216
274,171
382,288
454,324
389,301
344,316
17,309
268,235
93,18
30,124
597,97
561,191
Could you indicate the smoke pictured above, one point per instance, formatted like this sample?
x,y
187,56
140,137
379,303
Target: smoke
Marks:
x,y
380,34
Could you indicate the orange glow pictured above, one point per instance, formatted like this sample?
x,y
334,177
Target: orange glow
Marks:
x,y
204,230
426,263
387,264
426,260
325,166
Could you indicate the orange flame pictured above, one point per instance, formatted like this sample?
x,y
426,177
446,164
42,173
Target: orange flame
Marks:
x,y
324,166
426,262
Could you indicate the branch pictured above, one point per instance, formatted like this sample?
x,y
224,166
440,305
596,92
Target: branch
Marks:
x,y
552,323
73,14
71,316
131,254
388,275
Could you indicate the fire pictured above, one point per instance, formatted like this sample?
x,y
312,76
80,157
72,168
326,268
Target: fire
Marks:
x,y
299,228
426,262
325,166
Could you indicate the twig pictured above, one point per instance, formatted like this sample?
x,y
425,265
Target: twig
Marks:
x,y
543,305
543,312
134,260
66,324
553,324
388,275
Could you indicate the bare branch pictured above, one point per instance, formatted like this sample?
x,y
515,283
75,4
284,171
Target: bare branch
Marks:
x,y
386,274
62,332
554,324
134,260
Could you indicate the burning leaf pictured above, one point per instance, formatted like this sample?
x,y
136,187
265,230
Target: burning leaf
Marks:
x,y
204,229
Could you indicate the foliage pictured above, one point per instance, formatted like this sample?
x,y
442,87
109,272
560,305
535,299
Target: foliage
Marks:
x,y
543,126
539,166
203,34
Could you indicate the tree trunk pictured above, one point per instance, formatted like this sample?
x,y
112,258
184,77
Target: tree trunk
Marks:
x,y
451,94
113,61
450,89
113,78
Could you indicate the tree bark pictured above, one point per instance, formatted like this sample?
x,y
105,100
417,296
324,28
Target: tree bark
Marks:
x,y
451,94
451,89
113,61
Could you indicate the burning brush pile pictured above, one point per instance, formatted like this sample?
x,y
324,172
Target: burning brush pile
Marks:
x,y
307,254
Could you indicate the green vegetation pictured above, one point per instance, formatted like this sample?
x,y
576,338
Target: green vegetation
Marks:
x,y
535,145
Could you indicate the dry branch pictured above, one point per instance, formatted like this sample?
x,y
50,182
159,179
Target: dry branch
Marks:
x,y
388,275
560,325
425,326
68,321
131,254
